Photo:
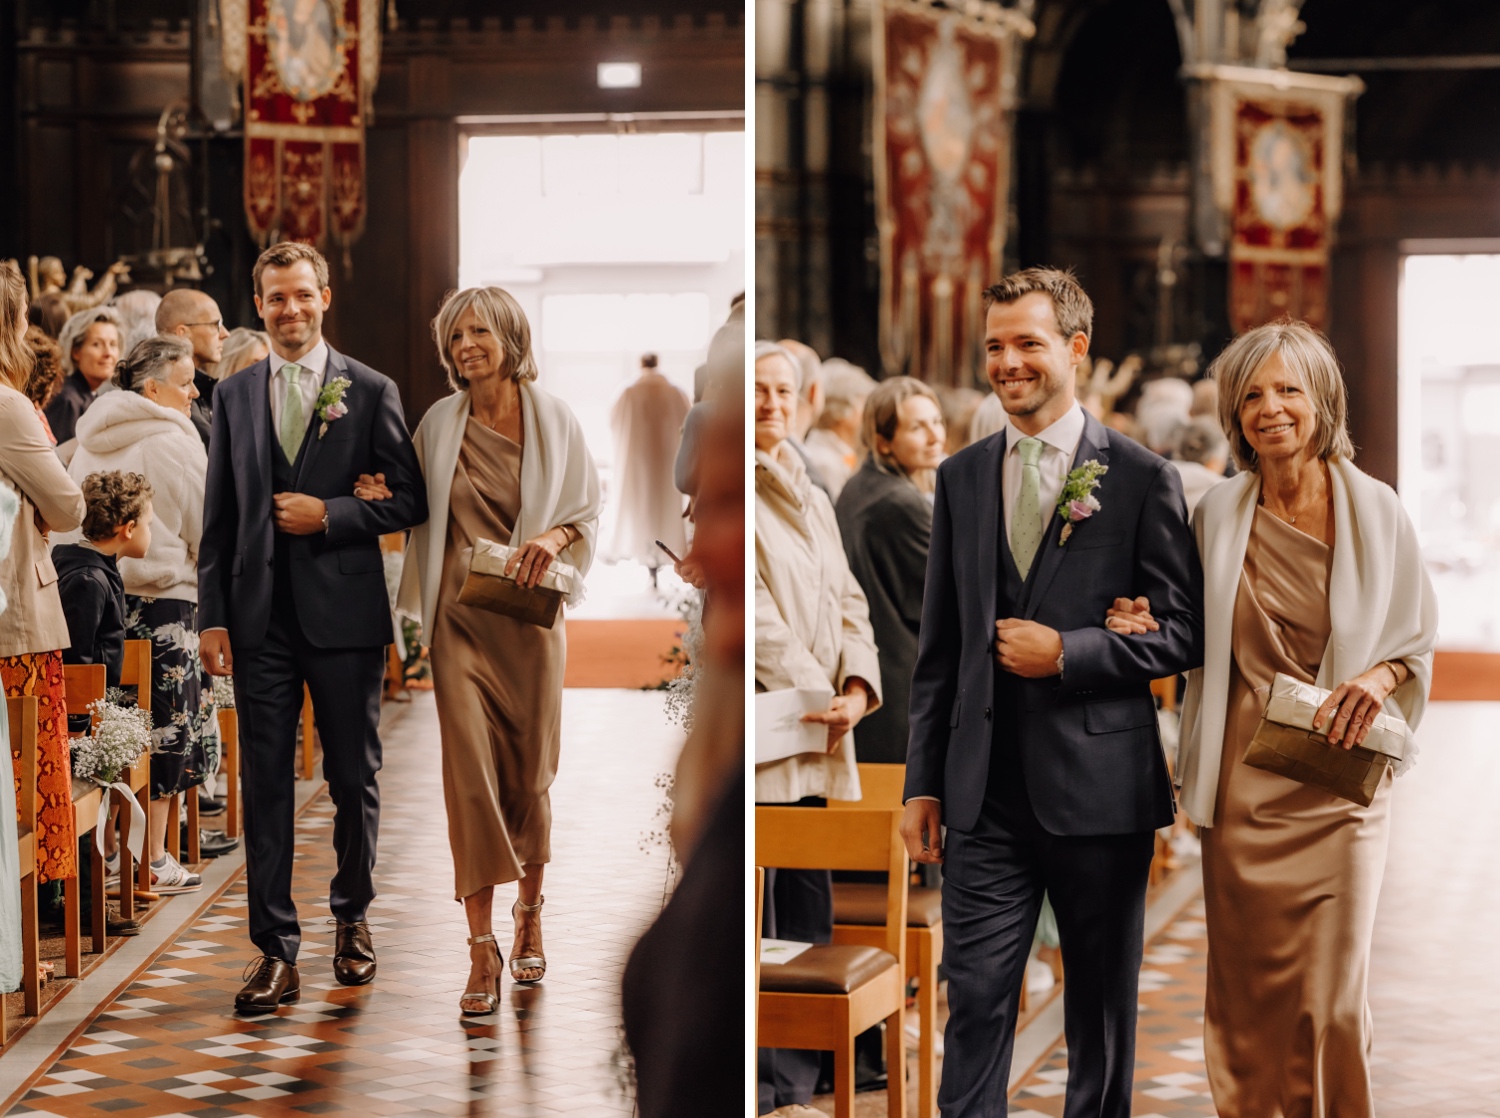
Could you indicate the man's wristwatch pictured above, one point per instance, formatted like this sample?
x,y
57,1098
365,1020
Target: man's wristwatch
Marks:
x,y
325,529
1060,656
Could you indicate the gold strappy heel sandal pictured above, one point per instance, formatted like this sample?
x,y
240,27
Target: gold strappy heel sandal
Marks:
x,y
488,999
519,963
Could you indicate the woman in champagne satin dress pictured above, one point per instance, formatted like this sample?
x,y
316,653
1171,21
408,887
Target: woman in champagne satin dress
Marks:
x,y
1311,568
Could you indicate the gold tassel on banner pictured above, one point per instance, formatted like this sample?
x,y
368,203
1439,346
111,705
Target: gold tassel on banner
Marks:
x,y
942,331
909,345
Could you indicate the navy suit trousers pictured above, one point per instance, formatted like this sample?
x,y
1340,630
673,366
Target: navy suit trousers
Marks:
x,y
345,688
993,880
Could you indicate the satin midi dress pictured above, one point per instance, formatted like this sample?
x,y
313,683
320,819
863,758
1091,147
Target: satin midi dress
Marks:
x,y
1291,873
498,686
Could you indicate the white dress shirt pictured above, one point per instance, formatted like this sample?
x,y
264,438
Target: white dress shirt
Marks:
x,y
1059,444
313,364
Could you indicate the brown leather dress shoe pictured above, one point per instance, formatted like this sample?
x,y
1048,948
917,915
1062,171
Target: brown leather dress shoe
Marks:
x,y
353,954
272,982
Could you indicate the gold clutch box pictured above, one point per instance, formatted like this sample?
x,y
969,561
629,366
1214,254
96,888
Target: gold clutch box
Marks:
x,y
488,587
1285,743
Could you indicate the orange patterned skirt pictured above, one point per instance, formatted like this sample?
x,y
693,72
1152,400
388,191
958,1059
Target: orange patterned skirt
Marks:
x,y
40,674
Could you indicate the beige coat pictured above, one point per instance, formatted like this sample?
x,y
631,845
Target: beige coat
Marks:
x,y
812,623
33,620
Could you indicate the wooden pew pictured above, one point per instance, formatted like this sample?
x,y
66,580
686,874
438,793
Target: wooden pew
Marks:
x,y
22,715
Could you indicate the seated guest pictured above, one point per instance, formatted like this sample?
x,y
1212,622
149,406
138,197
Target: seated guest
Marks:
x,y
117,524
1200,452
885,517
833,443
137,311
959,406
242,349
145,429
90,345
46,375
185,313
812,630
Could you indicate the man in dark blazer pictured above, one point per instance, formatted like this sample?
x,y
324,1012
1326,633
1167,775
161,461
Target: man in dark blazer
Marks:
x,y
291,590
1033,730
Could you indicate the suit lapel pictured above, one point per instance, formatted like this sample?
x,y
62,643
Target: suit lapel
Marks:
x,y
988,522
1094,444
314,443
259,376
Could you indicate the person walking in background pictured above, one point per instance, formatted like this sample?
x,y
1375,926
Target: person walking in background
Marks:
x,y
647,424
185,313
1033,729
812,630
34,629
503,461
146,429
291,589
91,345
885,518
1311,570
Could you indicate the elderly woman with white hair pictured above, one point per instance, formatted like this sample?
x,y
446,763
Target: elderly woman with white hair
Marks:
x,y
91,343
146,429
812,631
504,461
1312,578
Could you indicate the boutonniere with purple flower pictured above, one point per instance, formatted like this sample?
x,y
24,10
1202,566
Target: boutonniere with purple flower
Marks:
x,y
1077,501
330,405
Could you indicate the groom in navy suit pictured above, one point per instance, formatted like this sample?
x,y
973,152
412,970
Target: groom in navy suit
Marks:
x,y
1033,730
291,590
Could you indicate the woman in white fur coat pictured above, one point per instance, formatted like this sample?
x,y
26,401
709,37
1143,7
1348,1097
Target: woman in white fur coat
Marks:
x,y
146,429
1312,569
504,461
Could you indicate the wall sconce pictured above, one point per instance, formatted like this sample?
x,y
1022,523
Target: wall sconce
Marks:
x,y
619,75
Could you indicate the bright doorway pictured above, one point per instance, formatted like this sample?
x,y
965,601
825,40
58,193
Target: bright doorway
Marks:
x,y
1449,431
618,237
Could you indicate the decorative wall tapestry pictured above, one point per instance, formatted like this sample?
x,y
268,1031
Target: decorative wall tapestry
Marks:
x,y
1278,176
943,88
309,69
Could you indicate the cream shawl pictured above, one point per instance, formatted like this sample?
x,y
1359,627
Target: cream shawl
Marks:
x,y
559,485
1381,604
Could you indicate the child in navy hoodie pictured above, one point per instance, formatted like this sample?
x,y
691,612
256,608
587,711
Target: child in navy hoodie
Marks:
x,y
117,523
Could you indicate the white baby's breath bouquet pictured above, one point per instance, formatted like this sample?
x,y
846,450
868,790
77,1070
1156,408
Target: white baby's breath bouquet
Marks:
x,y
120,737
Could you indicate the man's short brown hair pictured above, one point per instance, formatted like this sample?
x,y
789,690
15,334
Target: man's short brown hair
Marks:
x,y
1071,306
113,499
286,253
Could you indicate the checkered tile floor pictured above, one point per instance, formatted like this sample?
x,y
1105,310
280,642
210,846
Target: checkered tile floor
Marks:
x,y
1434,985
170,1043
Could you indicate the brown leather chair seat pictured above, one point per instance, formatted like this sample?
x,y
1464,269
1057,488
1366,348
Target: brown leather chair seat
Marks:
x,y
861,903
826,968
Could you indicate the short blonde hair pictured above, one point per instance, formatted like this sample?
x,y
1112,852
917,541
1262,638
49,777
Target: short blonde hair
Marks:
x,y
76,331
1304,351
498,310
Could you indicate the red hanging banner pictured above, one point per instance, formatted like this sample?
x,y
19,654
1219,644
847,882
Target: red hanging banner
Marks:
x,y
942,173
308,69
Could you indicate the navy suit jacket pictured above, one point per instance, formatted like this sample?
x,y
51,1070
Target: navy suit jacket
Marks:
x,y
1088,741
337,577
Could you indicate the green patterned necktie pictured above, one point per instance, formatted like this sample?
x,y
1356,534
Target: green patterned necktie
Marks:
x,y
1026,521
293,426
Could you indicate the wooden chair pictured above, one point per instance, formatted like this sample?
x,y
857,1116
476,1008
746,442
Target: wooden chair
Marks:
x,y
760,909
309,729
858,918
229,761
831,993
22,715
135,671
83,685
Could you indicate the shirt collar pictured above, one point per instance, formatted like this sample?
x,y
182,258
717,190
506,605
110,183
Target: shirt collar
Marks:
x,y
313,361
1062,435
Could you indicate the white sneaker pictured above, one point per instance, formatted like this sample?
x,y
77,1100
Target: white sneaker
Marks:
x,y
112,869
169,878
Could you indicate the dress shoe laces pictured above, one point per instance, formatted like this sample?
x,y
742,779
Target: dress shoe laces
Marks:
x,y
258,968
